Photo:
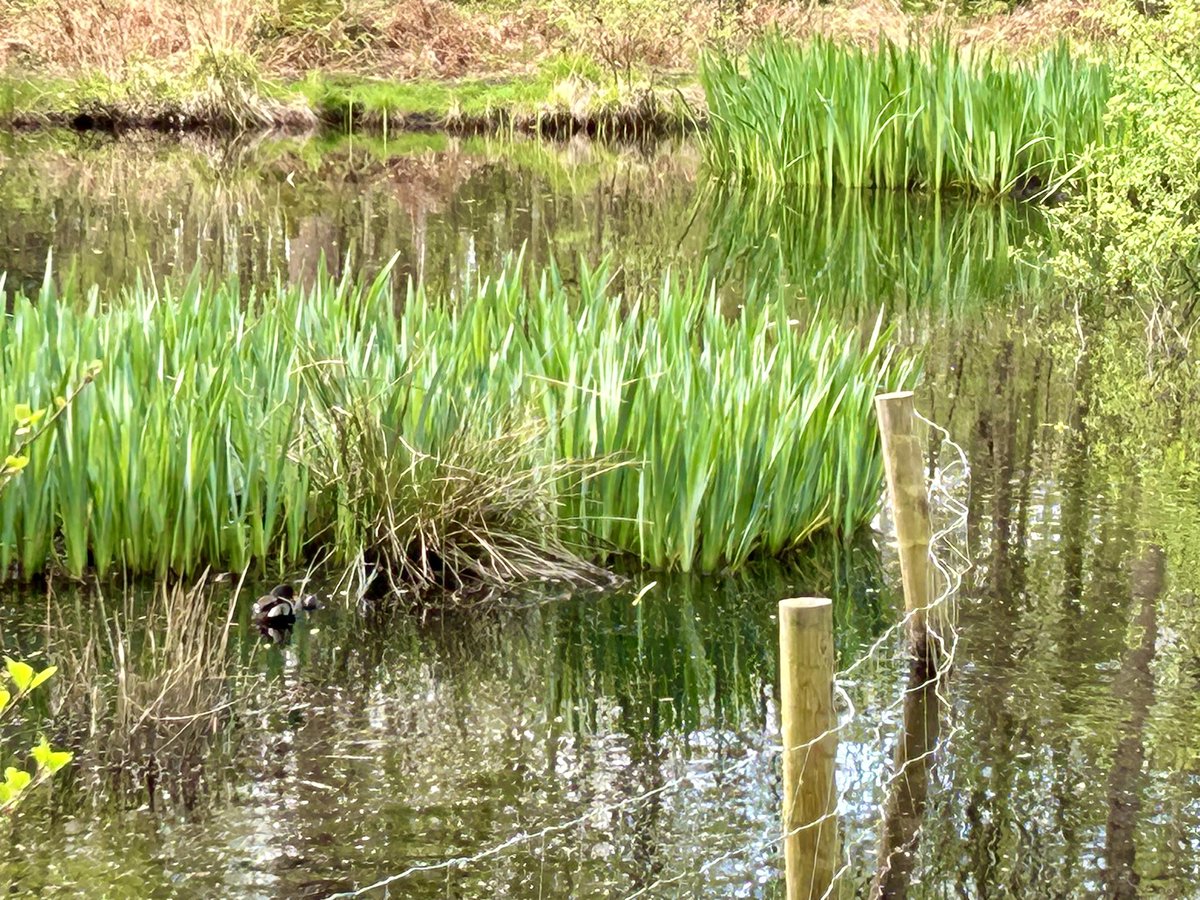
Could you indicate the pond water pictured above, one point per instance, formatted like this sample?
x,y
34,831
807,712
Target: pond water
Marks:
x,y
619,743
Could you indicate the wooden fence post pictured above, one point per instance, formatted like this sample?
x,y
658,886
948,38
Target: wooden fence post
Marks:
x,y
809,745
903,461
904,809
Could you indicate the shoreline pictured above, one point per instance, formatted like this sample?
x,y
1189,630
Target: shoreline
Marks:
x,y
533,106
464,71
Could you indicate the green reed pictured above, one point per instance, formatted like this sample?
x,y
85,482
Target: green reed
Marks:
x,y
652,425
935,117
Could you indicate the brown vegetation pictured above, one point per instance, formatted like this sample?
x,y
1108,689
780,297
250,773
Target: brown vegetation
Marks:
x,y
149,692
401,39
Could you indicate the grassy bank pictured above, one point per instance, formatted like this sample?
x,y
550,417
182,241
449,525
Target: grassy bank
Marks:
x,y
230,95
608,66
496,438
558,100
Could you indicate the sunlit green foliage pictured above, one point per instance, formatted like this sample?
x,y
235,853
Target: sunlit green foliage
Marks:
x,y
1135,236
932,117
19,680
705,440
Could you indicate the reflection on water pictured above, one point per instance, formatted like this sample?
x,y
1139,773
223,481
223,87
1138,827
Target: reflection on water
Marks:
x,y
629,737
399,743
448,207
852,250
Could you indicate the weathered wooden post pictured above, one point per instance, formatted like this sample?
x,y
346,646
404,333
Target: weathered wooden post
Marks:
x,y
904,808
809,745
903,461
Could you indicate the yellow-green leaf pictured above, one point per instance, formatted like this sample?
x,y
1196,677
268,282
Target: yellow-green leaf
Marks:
x,y
16,780
15,463
41,751
5,696
22,412
21,673
49,758
58,759
42,676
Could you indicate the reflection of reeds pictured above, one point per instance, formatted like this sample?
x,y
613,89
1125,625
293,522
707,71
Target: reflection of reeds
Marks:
x,y
700,650
148,689
859,251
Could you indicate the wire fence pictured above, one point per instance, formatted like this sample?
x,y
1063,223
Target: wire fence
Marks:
x,y
871,724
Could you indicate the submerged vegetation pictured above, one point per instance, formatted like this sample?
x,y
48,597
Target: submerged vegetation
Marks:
x,y
488,436
151,694
937,117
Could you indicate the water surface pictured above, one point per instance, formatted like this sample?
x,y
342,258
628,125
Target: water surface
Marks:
x,y
598,745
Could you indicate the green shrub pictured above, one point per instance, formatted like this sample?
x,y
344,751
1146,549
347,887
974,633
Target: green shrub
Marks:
x,y
22,680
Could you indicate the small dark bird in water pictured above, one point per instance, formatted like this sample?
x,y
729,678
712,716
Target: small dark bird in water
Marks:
x,y
275,613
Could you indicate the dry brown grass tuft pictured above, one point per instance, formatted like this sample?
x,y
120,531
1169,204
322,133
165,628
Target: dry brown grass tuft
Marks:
x,y
111,36
415,38
1037,25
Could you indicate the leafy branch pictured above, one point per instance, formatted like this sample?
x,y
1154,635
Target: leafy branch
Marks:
x,y
20,678
33,423
18,782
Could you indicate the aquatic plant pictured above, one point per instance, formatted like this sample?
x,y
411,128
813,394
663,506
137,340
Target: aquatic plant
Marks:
x,y
935,117
651,425
152,701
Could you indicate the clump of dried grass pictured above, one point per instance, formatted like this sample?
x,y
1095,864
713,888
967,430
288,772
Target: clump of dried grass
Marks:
x,y
1033,26
113,37
476,516
401,39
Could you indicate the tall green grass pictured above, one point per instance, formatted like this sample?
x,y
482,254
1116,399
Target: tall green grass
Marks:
x,y
936,117
651,425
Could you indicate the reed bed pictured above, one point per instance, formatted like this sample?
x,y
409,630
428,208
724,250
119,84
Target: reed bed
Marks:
x,y
524,415
932,117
